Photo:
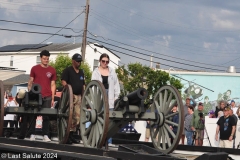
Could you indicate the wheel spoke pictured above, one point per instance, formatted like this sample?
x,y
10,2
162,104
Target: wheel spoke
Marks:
x,y
97,133
169,100
101,113
93,136
170,122
100,128
98,100
89,102
64,123
155,132
85,121
161,102
170,108
85,109
163,139
62,129
90,137
159,139
167,136
100,120
170,131
92,97
171,115
87,130
165,99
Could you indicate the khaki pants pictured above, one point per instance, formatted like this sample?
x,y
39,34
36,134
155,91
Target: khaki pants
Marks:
x,y
199,134
76,112
226,144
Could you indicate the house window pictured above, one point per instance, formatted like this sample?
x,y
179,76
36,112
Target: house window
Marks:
x,y
11,61
95,64
38,61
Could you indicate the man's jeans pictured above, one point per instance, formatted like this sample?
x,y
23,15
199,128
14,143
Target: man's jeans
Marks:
x,y
189,136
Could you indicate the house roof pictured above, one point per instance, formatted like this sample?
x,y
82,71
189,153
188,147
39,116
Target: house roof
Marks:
x,y
22,78
54,47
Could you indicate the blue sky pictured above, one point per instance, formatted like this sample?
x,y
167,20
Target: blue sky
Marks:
x,y
196,35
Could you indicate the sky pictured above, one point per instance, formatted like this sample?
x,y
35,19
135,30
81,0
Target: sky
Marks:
x,y
191,35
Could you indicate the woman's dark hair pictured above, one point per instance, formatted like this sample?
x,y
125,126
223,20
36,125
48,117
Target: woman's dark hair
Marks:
x,y
45,53
104,55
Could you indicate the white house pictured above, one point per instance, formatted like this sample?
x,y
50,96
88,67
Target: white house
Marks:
x,y
23,57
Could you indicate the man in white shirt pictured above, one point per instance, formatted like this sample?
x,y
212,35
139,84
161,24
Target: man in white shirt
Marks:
x,y
233,107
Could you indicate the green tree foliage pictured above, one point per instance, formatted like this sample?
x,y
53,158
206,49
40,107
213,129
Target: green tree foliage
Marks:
x,y
136,75
63,61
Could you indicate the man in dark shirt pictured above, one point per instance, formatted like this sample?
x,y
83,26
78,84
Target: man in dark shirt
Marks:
x,y
226,126
75,77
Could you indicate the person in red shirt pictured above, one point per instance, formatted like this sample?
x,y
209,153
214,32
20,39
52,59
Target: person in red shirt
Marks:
x,y
45,76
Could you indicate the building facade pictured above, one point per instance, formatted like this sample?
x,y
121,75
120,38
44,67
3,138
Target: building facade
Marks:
x,y
20,58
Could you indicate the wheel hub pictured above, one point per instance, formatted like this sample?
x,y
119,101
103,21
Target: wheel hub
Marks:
x,y
92,116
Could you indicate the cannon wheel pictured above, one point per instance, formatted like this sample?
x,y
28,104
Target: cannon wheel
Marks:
x,y
65,112
2,108
160,131
94,97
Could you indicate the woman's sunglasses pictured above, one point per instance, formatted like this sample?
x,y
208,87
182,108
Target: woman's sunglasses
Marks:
x,y
103,61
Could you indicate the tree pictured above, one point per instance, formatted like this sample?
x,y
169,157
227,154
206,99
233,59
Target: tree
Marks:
x,y
136,75
63,61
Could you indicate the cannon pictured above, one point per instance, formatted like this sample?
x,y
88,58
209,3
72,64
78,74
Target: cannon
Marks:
x,y
32,104
104,123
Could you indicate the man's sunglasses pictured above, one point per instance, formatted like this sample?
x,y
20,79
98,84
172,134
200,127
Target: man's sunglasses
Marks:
x,y
103,61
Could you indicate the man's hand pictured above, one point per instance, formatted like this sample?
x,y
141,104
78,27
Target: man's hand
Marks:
x,y
171,127
216,137
52,103
230,138
193,129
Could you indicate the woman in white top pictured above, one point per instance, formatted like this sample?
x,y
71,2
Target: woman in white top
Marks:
x,y
108,77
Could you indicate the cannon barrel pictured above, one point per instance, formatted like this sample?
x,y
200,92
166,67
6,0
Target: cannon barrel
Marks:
x,y
138,95
36,89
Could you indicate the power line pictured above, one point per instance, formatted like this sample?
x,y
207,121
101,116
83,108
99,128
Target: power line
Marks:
x,y
53,34
40,25
35,10
138,58
37,5
154,56
185,50
63,27
188,60
171,24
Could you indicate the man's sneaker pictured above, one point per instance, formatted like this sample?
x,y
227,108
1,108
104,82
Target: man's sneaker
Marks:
x,y
46,139
32,137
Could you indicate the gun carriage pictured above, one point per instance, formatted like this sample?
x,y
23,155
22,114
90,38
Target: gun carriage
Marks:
x,y
105,123
32,105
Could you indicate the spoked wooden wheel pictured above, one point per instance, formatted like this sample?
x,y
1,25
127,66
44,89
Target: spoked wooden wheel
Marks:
x,y
2,108
160,130
65,112
94,111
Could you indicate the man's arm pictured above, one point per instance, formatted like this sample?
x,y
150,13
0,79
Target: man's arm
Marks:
x,y
53,89
30,82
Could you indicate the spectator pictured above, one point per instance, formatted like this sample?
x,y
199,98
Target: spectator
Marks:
x,y
187,125
238,112
235,120
233,107
10,119
220,107
188,103
175,119
226,127
220,114
147,132
198,124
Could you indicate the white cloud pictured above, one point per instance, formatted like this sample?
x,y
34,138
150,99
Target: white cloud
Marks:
x,y
206,45
167,39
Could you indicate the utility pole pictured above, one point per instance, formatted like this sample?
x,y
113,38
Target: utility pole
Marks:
x,y
84,39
